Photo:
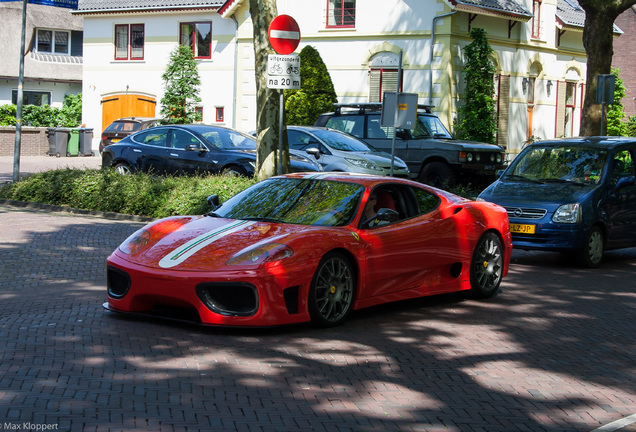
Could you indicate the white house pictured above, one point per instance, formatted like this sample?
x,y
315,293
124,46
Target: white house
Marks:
x,y
538,53
53,54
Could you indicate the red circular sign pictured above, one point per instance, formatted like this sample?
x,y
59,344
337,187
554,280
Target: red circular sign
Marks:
x,y
284,34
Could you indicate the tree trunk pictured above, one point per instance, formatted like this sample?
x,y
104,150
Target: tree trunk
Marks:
x,y
267,100
598,35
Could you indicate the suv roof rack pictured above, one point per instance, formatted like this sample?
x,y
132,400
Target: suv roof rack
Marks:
x,y
371,106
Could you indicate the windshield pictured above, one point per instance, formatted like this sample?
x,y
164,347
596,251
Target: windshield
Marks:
x,y
295,201
228,139
343,142
428,127
566,163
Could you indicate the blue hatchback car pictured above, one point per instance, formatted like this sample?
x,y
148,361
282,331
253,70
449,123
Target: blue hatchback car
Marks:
x,y
573,195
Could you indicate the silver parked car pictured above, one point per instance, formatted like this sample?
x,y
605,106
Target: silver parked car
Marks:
x,y
339,151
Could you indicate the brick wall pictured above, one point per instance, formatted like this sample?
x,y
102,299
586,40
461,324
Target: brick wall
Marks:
x,y
623,57
34,141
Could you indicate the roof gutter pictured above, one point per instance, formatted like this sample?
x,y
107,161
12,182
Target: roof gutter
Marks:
x,y
141,9
430,87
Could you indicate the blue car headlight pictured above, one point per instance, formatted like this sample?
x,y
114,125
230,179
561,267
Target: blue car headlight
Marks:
x,y
567,213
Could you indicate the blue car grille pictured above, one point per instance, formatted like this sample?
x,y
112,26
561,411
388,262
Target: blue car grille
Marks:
x,y
525,212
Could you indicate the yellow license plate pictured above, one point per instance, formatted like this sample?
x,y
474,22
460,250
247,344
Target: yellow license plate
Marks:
x,y
114,140
522,228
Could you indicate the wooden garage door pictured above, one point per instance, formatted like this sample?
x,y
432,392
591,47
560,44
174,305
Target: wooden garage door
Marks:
x,y
126,105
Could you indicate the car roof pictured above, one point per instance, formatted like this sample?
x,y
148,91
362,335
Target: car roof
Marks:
x,y
369,107
137,119
594,141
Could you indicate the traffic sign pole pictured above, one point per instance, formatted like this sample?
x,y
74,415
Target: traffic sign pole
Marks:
x,y
284,36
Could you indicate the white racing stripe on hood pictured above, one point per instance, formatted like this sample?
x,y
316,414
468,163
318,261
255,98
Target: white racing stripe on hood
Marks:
x,y
188,249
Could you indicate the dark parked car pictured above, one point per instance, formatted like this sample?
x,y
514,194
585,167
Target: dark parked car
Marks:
x,y
429,150
339,151
575,195
191,149
123,127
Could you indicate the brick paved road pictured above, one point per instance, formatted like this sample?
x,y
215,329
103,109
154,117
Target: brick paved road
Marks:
x,y
553,352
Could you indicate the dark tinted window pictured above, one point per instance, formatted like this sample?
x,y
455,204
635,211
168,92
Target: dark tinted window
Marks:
x,y
352,124
300,140
155,137
123,126
426,201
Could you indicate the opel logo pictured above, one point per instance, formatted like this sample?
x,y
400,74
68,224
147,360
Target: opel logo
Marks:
x,y
518,212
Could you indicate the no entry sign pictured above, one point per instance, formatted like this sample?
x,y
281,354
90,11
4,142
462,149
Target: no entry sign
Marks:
x,y
284,34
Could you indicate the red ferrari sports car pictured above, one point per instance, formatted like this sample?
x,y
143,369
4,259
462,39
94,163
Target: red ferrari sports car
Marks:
x,y
310,247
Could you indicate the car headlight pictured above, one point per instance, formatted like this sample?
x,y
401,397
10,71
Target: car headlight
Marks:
x,y
499,158
363,164
567,213
255,255
135,242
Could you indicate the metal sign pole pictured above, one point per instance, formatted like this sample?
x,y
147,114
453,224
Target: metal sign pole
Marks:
x,y
280,131
397,105
18,115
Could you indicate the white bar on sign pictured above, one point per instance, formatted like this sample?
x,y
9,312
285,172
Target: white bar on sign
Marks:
x,y
282,34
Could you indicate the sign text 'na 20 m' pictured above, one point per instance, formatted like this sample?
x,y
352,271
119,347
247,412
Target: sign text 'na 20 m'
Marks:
x,y
283,71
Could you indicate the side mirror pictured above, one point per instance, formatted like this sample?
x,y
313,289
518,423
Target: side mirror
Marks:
x,y
625,182
314,152
387,215
402,134
499,173
195,147
213,201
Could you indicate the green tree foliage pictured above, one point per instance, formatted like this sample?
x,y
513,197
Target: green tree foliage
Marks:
x,y
630,127
70,115
477,115
616,111
316,94
181,82
598,35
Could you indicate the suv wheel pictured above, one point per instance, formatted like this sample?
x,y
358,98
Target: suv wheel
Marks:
x,y
437,174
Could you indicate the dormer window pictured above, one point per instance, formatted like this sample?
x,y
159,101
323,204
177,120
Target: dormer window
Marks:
x,y
53,42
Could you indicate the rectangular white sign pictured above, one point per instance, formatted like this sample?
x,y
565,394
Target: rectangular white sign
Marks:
x,y
283,71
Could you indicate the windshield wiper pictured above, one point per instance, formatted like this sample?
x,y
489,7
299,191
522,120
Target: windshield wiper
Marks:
x,y
524,178
261,219
556,180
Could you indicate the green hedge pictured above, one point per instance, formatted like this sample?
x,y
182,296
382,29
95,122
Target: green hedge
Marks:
x,y
138,194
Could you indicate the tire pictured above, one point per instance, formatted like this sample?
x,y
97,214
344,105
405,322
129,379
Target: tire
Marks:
x,y
486,267
123,168
592,253
437,174
332,290
234,171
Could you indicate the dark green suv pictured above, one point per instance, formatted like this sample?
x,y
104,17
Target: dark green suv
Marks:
x,y
429,150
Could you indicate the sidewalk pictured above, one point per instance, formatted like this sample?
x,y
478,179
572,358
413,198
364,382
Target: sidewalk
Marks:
x,y
33,164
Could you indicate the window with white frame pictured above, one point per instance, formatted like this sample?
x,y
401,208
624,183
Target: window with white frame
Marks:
x,y
53,41
198,36
129,41
341,13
